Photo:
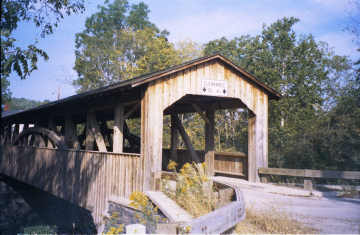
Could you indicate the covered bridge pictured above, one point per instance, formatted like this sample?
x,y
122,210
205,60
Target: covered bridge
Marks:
x,y
42,146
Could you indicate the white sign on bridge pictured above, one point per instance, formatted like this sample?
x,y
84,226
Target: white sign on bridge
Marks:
x,y
214,87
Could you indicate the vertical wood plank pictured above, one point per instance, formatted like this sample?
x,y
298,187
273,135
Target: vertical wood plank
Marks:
x,y
90,139
118,136
70,133
252,149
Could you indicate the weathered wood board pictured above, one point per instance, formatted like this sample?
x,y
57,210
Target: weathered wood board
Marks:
x,y
85,178
351,175
170,208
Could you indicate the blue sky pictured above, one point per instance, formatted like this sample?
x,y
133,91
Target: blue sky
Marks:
x,y
198,20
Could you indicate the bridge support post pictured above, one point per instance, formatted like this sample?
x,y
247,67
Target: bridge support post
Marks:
x,y
51,126
258,139
118,136
209,141
151,135
93,133
70,133
174,139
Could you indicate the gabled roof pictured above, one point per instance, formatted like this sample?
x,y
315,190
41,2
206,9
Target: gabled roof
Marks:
x,y
144,79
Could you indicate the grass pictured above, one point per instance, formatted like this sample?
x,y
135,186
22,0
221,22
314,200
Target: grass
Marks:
x,y
271,221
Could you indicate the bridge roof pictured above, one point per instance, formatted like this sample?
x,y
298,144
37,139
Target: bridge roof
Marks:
x,y
142,80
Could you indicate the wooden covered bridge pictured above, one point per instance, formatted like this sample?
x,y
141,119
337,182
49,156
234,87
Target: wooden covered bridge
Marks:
x,y
66,147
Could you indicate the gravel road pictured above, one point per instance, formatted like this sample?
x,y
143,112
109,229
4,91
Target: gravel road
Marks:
x,y
327,213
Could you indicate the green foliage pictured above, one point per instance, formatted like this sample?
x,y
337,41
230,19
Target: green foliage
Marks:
x,y
309,76
45,14
149,214
188,50
119,43
5,91
22,103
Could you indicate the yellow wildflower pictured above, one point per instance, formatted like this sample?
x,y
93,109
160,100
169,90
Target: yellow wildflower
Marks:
x,y
186,166
172,165
187,229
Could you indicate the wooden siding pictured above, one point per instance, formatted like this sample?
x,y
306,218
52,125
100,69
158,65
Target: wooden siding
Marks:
x,y
162,93
85,178
231,163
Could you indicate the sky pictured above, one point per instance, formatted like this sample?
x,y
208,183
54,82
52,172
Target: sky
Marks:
x,y
197,20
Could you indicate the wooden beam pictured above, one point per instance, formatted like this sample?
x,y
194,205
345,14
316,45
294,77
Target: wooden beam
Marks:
x,y
174,139
198,110
186,139
9,133
210,130
151,135
132,110
171,209
210,163
118,136
95,131
210,142
51,126
39,141
231,154
15,132
89,139
71,139
252,174
23,141
308,184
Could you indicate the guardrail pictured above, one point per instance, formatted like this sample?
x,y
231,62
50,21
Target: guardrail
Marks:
x,y
309,174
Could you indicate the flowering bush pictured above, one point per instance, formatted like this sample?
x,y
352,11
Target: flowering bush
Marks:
x,y
194,191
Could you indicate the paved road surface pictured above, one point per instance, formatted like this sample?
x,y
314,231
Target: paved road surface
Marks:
x,y
328,214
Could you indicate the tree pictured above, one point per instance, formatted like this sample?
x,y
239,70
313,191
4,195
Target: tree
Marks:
x,y
119,43
354,28
44,14
22,103
308,75
5,91
188,50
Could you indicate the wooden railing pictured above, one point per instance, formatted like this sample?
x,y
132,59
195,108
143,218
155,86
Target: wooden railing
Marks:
x,y
308,174
85,178
229,163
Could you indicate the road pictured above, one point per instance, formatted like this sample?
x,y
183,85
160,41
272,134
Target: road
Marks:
x,y
327,213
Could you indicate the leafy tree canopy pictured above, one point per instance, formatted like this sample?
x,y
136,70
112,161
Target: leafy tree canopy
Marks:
x,y
118,43
45,14
23,103
5,91
308,75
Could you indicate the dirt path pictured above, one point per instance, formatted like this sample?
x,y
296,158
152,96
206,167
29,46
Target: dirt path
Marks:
x,y
328,214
